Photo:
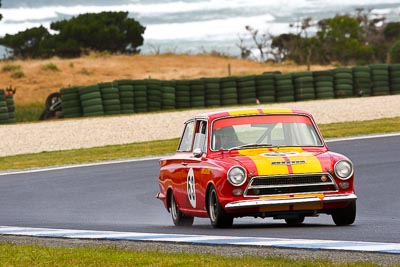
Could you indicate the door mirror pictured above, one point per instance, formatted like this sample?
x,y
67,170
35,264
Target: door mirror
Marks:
x,y
197,152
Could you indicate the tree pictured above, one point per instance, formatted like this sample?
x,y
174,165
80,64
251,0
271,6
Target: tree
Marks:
x,y
261,44
106,31
395,52
375,47
27,44
1,16
392,31
298,47
341,38
285,46
305,44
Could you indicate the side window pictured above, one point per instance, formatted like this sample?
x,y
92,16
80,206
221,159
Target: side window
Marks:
x,y
187,137
200,136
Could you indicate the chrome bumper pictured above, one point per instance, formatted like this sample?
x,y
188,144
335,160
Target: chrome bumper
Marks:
x,y
289,201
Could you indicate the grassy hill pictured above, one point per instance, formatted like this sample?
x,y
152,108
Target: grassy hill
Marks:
x,y
36,79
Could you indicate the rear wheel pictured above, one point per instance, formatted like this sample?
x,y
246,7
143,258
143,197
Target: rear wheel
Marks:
x,y
178,217
218,217
345,216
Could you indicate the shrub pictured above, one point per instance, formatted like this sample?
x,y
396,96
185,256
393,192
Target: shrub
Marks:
x,y
18,74
50,67
85,72
11,68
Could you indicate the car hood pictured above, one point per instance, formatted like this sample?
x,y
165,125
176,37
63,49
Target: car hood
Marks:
x,y
280,161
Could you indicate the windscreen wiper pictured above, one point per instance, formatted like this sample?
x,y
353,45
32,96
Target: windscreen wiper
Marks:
x,y
255,145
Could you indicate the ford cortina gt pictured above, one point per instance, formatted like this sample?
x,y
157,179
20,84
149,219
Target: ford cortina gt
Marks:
x,y
260,163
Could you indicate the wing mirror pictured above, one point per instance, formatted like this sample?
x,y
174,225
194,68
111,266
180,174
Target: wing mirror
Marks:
x,y
197,153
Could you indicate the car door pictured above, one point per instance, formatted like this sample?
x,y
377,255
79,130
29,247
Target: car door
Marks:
x,y
178,163
190,189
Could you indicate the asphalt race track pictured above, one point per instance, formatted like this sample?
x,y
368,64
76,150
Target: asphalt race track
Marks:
x,y
120,196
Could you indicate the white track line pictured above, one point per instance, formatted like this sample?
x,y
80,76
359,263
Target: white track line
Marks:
x,y
199,239
329,140
392,248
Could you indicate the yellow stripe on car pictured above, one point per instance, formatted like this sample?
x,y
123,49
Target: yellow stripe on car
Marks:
x,y
263,163
260,111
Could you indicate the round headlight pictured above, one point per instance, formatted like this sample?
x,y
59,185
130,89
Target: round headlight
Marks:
x,y
344,169
237,176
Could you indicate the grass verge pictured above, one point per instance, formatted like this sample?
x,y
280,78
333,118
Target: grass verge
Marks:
x,y
163,147
28,112
343,129
36,255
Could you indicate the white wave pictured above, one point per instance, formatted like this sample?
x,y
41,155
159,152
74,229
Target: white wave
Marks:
x,y
51,12
215,29
282,7
8,28
198,27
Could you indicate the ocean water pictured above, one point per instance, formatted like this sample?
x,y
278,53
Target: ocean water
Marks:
x,y
192,26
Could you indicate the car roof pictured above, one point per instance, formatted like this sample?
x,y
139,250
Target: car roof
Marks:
x,y
242,112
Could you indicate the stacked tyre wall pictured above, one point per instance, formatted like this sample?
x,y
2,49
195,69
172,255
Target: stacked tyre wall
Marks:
x,y
7,108
149,95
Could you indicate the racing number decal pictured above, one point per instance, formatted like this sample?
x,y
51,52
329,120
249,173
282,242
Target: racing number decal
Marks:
x,y
191,188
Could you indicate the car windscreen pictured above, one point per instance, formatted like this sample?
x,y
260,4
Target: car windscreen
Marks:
x,y
263,130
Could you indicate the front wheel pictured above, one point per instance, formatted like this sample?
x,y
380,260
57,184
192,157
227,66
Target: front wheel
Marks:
x,y
218,217
345,216
178,217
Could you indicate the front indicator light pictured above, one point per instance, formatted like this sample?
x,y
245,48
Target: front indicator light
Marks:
x,y
237,192
344,185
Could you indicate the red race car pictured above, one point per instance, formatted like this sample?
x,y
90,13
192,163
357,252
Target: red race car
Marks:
x,y
260,163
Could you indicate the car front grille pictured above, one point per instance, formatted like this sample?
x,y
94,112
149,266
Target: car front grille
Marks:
x,y
291,184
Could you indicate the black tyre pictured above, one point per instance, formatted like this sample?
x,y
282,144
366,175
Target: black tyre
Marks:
x,y
52,99
178,217
218,217
295,221
345,216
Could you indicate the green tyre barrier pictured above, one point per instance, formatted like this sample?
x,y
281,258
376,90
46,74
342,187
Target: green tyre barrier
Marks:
x,y
379,66
67,97
92,102
229,102
111,102
343,81
124,82
305,96
279,83
89,89
93,110
378,72
324,84
282,99
378,91
88,96
109,96
72,110
395,89
325,95
394,67
70,104
109,90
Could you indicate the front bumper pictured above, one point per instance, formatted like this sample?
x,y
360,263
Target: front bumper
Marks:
x,y
258,203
